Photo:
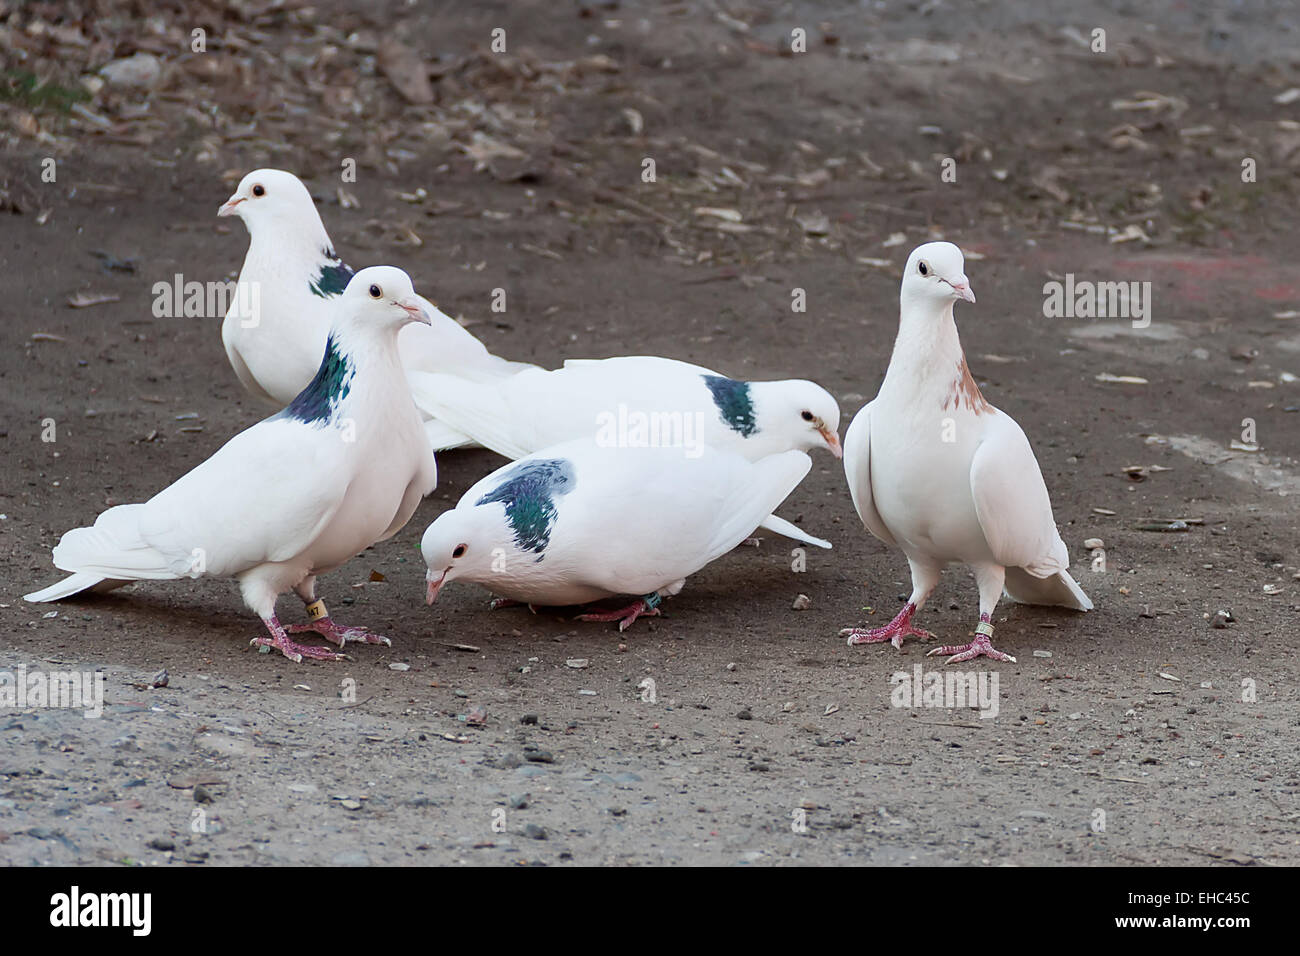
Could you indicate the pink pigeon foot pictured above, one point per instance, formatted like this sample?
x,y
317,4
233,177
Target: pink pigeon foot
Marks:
x,y
497,604
295,652
646,607
894,632
339,634
982,646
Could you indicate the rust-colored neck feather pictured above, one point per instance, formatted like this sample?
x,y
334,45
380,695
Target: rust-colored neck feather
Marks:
x,y
964,391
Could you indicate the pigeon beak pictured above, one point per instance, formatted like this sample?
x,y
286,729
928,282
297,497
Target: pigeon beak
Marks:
x,y
228,207
435,585
963,289
416,312
832,441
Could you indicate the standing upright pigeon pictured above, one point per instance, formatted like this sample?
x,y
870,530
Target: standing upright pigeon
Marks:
x,y
941,474
636,400
579,522
274,331
294,496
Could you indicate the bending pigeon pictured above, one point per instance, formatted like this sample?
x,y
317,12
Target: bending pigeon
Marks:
x,y
637,401
578,522
941,474
296,495
274,331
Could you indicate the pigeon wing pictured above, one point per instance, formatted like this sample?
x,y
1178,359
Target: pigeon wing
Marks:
x,y
1011,501
263,497
857,469
481,412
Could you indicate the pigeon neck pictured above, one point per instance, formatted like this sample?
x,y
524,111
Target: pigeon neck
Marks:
x,y
319,402
331,395
927,342
928,366
299,248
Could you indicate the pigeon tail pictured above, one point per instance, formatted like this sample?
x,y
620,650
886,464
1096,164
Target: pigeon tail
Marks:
x,y
73,584
114,548
443,437
472,409
782,527
1057,590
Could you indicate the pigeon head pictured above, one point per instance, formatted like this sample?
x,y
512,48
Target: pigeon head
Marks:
x,y
383,297
267,196
455,545
936,274
802,410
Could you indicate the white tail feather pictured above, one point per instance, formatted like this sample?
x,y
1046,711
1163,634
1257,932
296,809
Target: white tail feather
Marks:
x,y
443,437
1057,590
476,411
113,548
783,527
72,584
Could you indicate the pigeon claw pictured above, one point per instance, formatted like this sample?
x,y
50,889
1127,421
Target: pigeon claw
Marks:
x,y
339,634
296,652
624,615
498,603
878,635
980,647
893,632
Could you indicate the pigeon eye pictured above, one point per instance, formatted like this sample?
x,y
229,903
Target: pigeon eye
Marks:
x,y
460,551
807,416
923,269
259,190
375,292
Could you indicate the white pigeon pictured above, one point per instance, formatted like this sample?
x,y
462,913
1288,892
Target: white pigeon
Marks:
x,y
941,474
580,522
633,401
274,331
294,496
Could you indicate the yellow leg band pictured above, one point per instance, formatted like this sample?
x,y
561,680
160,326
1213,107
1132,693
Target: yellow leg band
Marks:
x,y
316,610
985,628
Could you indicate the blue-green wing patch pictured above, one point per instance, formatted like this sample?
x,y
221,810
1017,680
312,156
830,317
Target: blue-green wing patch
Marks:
x,y
331,384
529,491
333,277
735,404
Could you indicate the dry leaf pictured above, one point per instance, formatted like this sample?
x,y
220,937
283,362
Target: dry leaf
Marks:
x,y
405,69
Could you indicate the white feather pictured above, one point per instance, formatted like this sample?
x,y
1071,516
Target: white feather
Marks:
x,y
625,521
536,409
938,472
283,500
275,328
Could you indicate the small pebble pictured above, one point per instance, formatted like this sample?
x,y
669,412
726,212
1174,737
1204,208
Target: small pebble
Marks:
x,y
801,603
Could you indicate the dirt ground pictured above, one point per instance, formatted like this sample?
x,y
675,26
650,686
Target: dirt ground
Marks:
x,y
1134,734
